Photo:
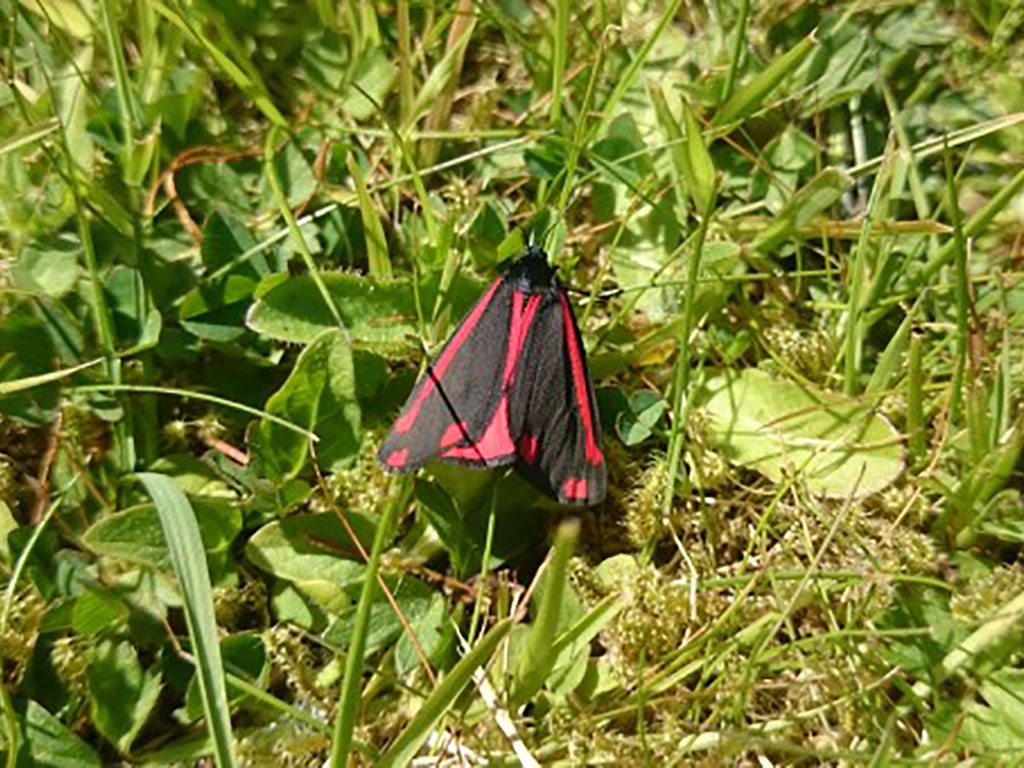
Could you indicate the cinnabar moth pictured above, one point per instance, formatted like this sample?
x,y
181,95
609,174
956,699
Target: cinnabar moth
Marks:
x,y
511,386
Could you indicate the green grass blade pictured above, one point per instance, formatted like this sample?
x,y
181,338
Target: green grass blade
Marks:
x,y
186,549
963,330
29,135
539,656
561,45
293,226
348,699
755,94
376,244
888,366
737,49
248,84
143,388
625,82
441,699
28,382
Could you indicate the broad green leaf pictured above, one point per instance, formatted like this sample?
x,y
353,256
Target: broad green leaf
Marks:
x,y
572,648
97,611
129,304
216,310
808,202
49,265
47,741
225,238
338,419
637,423
487,233
657,282
374,74
292,606
315,553
121,693
26,354
295,174
429,626
443,515
136,535
997,725
195,477
380,316
415,600
320,395
837,446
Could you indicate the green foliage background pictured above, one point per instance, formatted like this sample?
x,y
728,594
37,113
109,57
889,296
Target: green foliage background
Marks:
x,y
231,231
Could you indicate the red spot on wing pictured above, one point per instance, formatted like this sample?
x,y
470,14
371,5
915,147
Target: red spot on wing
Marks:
x,y
455,433
579,380
575,488
397,459
495,443
528,447
437,371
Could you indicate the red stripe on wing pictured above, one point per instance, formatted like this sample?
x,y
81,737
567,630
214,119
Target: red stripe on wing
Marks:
x,y
404,422
579,380
397,459
496,441
574,488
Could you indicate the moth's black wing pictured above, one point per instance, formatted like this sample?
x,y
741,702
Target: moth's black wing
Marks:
x,y
553,409
511,384
455,411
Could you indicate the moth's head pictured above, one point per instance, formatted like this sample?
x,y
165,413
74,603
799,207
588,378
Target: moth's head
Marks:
x,y
535,252
531,271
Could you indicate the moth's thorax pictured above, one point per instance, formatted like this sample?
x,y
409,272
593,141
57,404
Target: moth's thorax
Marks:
x,y
531,272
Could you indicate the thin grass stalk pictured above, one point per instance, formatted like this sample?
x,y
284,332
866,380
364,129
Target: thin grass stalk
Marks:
x,y
127,107
187,394
484,567
737,50
681,384
959,255
561,44
916,438
135,159
578,139
973,227
414,175
626,81
860,293
123,437
439,115
293,226
348,700
247,81
405,96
